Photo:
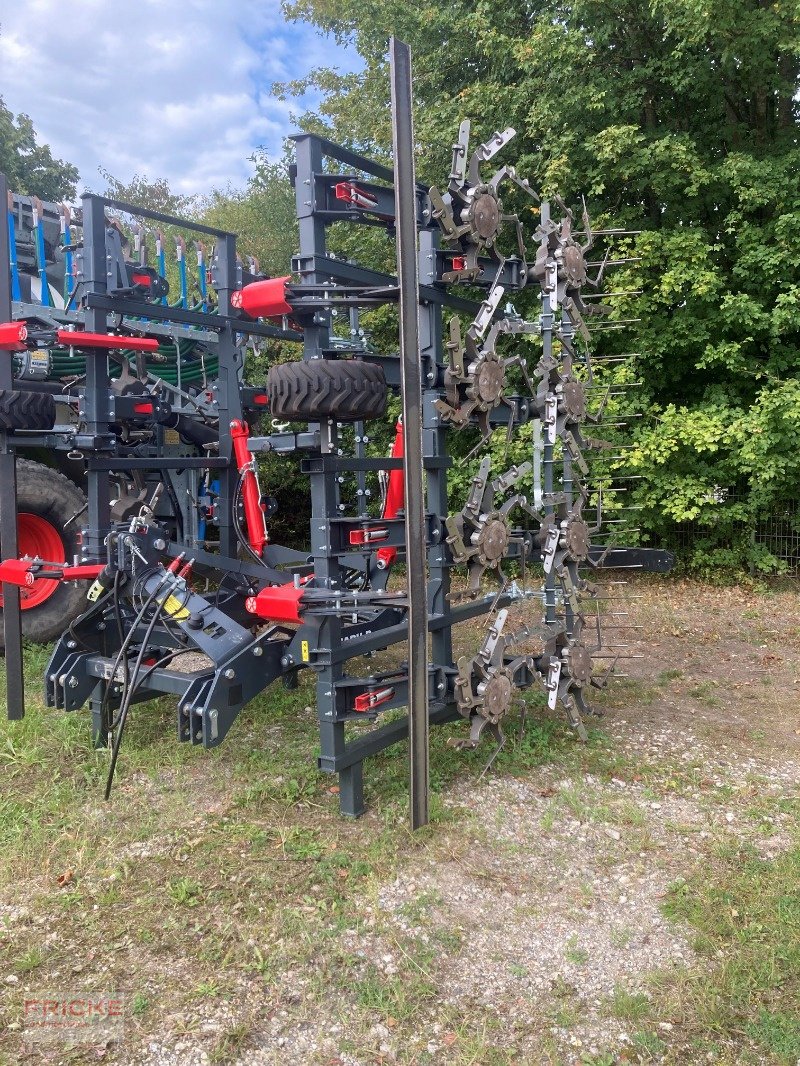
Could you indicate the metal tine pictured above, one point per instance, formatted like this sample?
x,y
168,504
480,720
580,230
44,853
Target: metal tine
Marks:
x,y
602,457
596,655
629,414
614,262
615,388
607,295
610,359
631,566
615,232
606,326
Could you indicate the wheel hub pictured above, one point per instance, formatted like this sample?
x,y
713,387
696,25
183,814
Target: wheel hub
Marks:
x,y
577,539
497,694
489,380
574,265
36,537
493,540
484,214
579,663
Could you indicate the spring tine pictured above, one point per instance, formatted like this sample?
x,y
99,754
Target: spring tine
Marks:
x,y
605,295
609,358
614,262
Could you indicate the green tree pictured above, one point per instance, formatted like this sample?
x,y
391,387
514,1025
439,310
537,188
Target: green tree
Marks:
x,y
678,118
30,167
262,214
155,195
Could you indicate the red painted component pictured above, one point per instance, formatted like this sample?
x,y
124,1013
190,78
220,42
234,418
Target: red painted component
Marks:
x,y
395,494
142,279
13,336
36,536
257,535
39,573
17,572
142,408
261,399
82,573
263,299
78,339
277,603
368,701
459,262
351,194
367,536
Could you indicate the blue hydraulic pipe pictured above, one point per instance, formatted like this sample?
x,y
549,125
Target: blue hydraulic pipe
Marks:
x,y
41,258
16,293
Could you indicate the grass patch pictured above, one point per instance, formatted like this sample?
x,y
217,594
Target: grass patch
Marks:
x,y
747,920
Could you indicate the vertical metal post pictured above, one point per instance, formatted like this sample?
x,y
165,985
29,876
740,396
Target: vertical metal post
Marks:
x,y
228,393
411,385
12,618
96,389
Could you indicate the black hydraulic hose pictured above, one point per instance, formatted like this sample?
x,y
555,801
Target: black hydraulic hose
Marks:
x,y
130,691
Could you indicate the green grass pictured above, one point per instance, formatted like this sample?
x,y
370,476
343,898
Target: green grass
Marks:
x,y
746,917
210,869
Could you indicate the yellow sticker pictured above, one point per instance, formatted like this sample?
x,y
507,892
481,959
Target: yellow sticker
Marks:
x,y
94,591
171,436
304,651
174,608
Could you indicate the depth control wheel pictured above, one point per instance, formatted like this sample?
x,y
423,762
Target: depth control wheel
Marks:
x,y
46,501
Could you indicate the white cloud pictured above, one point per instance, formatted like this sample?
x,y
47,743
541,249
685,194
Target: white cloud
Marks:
x,y
163,88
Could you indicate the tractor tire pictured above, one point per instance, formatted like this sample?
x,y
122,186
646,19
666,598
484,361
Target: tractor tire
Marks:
x,y
26,410
46,500
347,390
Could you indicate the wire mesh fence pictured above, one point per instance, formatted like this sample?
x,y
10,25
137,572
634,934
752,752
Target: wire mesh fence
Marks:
x,y
767,542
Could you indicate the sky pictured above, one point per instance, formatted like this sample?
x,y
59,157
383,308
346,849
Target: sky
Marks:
x,y
176,89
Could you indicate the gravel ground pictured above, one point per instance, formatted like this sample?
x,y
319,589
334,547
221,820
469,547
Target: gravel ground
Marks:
x,y
540,897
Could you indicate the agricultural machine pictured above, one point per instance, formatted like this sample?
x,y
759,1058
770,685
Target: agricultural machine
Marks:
x,y
141,533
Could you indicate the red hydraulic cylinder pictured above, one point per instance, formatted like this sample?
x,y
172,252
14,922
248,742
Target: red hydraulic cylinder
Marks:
x,y
394,496
78,339
263,299
257,535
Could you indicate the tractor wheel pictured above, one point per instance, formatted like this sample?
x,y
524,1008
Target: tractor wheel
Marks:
x,y
349,391
46,500
26,410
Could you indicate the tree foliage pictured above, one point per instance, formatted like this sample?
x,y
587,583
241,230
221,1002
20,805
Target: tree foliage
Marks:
x,y
678,118
262,214
30,167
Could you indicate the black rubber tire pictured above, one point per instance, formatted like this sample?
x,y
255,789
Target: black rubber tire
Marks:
x,y
52,496
26,410
347,390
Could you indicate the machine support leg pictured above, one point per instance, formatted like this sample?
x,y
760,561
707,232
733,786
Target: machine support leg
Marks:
x,y
411,388
101,721
12,616
351,790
